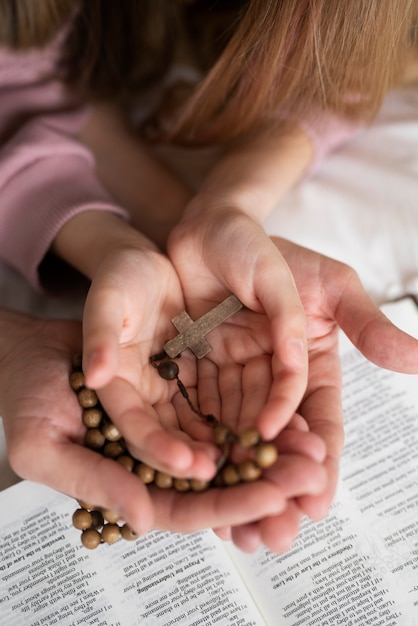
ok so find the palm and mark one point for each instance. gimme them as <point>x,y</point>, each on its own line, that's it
<point>124,324</point>
<point>241,361</point>
<point>253,349</point>
<point>333,298</point>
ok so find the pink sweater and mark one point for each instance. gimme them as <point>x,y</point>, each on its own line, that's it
<point>46,175</point>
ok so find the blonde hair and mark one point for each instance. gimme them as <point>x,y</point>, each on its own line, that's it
<point>110,47</point>
<point>298,56</point>
<point>266,56</point>
<point>27,24</point>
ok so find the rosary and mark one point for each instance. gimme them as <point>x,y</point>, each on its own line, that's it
<point>104,526</point>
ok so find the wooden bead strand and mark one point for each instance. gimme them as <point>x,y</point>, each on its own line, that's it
<point>99,526</point>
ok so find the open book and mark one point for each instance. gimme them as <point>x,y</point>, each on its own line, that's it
<point>358,566</point>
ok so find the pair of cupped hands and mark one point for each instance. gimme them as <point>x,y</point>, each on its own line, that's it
<point>273,365</point>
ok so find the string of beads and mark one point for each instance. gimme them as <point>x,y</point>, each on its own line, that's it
<point>103,526</point>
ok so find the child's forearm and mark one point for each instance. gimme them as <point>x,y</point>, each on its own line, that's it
<point>86,240</point>
<point>154,196</point>
<point>255,173</point>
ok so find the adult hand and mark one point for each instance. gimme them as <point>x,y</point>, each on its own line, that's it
<point>256,374</point>
<point>333,298</point>
<point>144,333</point>
<point>44,434</point>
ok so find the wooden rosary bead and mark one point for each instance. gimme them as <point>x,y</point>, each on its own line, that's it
<point>86,505</point>
<point>110,516</point>
<point>94,439</point>
<point>82,519</point>
<point>223,434</point>
<point>97,520</point>
<point>181,484</point>
<point>104,526</point>
<point>265,455</point>
<point>249,471</point>
<point>77,380</point>
<point>145,473</point>
<point>113,449</point>
<point>163,480</point>
<point>87,398</point>
<point>249,438</point>
<point>218,480</point>
<point>168,369</point>
<point>77,361</point>
<point>110,533</point>
<point>127,533</point>
<point>127,461</point>
<point>199,485</point>
<point>230,475</point>
<point>91,538</point>
<point>111,432</point>
<point>92,417</point>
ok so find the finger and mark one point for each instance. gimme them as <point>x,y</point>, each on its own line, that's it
<point>85,475</point>
<point>317,507</point>
<point>278,532</point>
<point>208,395</point>
<point>371,331</point>
<point>305,443</point>
<point>276,290</point>
<point>256,384</point>
<point>193,423</point>
<point>230,388</point>
<point>297,475</point>
<point>322,410</point>
<point>297,423</point>
<point>102,326</point>
<point>215,508</point>
<point>247,537</point>
<point>269,288</point>
<point>294,476</point>
<point>147,440</point>
<point>223,532</point>
<point>285,396</point>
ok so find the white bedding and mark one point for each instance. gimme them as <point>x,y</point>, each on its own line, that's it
<point>361,207</point>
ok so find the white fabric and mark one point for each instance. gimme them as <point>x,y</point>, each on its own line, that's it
<point>360,207</point>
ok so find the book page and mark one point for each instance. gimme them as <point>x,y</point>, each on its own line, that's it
<point>360,564</point>
<point>47,576</point>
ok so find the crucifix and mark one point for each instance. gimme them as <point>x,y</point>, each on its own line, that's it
<point>192,333</point>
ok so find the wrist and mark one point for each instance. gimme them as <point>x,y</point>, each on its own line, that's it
<point>88,238</point>
<point>255,173</point>
<point>243,200</point>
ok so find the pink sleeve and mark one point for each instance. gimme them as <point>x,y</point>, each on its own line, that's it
<point>46,175</point>
<point>46,179</point>
<point>327,132</point>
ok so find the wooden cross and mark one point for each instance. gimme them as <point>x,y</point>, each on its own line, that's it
<point>192,333</point>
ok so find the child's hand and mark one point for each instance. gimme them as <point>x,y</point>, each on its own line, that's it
<point>133,296</point>
<point>259,367</point>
